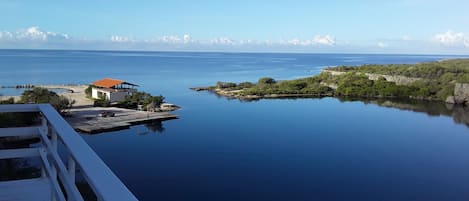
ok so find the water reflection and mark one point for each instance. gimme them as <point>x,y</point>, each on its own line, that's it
<point>150,128</point>
<point>155,127</point>
<point>460,114</point>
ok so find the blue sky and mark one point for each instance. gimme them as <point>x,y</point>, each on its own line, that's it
<point>362,26</point>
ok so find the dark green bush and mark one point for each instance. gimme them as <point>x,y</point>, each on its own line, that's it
<point>225,85</point>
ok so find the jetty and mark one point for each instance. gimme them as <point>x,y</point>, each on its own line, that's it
<point>91,121</point>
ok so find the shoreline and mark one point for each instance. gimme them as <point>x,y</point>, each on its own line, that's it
<point>233,95</point>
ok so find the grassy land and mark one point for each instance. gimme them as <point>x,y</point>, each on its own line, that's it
<point>437,80</point>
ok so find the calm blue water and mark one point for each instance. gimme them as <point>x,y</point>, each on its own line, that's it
<point>291,149</point>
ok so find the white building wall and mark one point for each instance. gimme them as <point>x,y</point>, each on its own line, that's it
<point>111,96</point>
<point>94,93</point>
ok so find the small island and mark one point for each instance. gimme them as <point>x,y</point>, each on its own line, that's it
<point>445,81</point>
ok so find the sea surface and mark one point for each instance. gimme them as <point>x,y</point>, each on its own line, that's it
<point>287,149</point>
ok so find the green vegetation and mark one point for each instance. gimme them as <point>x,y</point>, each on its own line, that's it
<point>102,102</point>
<point>41,95</point>
<point>37,95</point>
<point>88,91</point>
<point>456,69</point>
<point>435,81</point>
<point>358,85</point>
<point>268,86</point>
<point>148,101</point>
<point>437,78</point>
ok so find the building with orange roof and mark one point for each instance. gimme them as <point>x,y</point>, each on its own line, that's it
<point>112,89</point>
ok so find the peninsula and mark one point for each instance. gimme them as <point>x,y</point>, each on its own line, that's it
<point>88,114</point>
<point>445,81</point>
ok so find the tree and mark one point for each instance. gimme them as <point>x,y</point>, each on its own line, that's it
<point>89,90</point>
<point>37,95</point>
<point>224,85</point>
<point>245,85</point>
<point>42,95</point>
<point>266,81</point>
<point>61,103</point>
<point>142,98</point>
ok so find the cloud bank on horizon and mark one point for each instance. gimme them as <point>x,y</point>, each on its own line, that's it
<point>334,26</point>
<point>36,38</point>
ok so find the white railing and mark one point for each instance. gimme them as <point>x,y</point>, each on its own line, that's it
<point>53,130</point>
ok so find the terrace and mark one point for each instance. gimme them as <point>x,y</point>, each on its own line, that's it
<point>62,155</point>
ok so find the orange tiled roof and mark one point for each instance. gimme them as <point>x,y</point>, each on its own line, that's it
<point>107,82</point>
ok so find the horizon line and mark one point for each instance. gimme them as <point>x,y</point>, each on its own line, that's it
<point>234,52</point>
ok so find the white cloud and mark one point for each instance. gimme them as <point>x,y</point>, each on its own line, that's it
<point>382,45</point>
<point>173,39</point>
<point>186,38</point>
<point>247,42</point>
<point>406,38</point>
<point>317,40</point>
<point>35,37</point>
<point>222,41</point>
<point>120,39</point>
<point>296,41</point>
<point>451,38</point>
<point>5,35</point>
<point>170,39</point>
<point>324,40</point>
<point>34,33</point>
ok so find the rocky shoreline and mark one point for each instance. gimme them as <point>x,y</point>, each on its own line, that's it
<point>232,94</point>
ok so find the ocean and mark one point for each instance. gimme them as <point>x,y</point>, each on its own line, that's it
<point>285,149</point>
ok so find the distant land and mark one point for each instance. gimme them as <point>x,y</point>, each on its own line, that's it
<point>444,81</point>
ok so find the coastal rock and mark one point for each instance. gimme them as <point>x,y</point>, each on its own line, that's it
<point>398,79</point>
<point>450,100</point>
<point>200,88</point>
<point>334,73</point>
<point>461,93</point>
<point>330,85</point>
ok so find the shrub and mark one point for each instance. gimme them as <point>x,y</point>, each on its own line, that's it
<point>225,85</point>
<point>8,101</point>
<point>266,81</point>
<point>88,91</point>
<point>141,98</point>
<point>42,95</point>
<point>244,85</point>
<point>102,102</point>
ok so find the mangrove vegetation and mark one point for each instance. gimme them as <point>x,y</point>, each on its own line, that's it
<point>425,81</point>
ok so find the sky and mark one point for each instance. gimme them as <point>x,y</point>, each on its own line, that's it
<point>333,26</point>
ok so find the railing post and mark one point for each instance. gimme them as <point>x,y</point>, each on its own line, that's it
<point>71,168</point>
<point>54,140</point>
<point>44,126</point>
<point>54,149</point>
<point>43,172</point>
